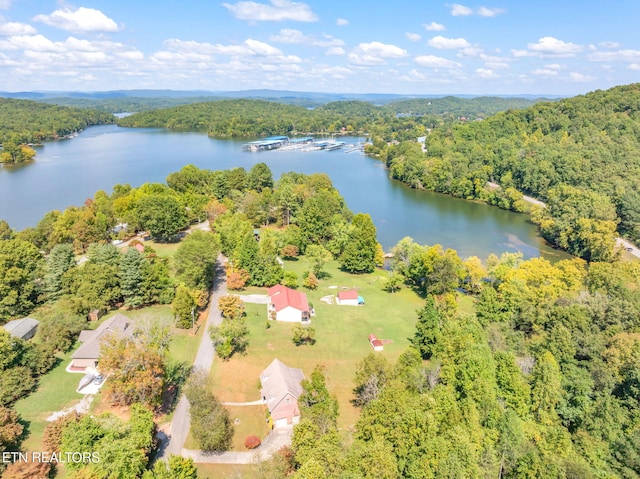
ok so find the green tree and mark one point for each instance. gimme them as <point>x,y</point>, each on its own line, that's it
<point>428,329</point>
<point>259,177</point>
<point>177,467</point>
<point>303,335</point>
<point>19,264</point>
<point>372,374</point>
<point>317,257</point>
<point>6,232</point>
<point>162,215</point>
<point>61,259</point>
<point>316,404</point>
<point>360,252</point>
<point>230,337</point>
<point>131,278</point>
<point>546,388</point>
<point>211,424</point>
<point>195,260</point>
<point>184,307</point>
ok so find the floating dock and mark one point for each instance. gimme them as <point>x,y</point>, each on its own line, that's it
<point>270,143</point>
<point>305,143</point>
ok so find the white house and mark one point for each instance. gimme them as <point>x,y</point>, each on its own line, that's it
<point>288,305</point>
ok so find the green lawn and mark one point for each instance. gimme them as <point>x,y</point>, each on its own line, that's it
<point>224,471</point>
<point>56,391</point>
<point>247,421</point>
<point>341,335</point>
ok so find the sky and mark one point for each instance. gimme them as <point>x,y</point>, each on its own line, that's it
<point>497,47</point>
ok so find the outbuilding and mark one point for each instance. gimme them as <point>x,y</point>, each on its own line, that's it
<point>24,328</point>
<point>348,298</point>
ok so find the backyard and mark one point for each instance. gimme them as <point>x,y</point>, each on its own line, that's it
<point>341,337</point>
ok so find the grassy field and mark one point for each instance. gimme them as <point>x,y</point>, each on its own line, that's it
<point>341,335</point>
<point>223,471</point>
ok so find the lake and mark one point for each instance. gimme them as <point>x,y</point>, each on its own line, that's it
<point>67,172</point>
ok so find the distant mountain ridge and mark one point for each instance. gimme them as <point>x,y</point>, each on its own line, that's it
<point>319,97</point>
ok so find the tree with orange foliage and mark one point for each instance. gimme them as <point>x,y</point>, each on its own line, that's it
<point>237,279</point>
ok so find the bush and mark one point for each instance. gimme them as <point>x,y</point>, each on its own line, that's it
<point>251,442</point>
<point>303,335</point>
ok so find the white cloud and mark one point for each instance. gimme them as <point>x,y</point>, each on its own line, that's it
<point>486,73</point>
<point>630,56</point>
<point>342,22</point>
<point>434,27</point>
<point>14,28</point>
<point>432,61</point>
<point>278,11</point>
<point>36,43</point>
<point>443,43</point>
<point>5,4</point>
<point>81,20</point>
<point>545,72</point>
<point>296,37</point>
<point>634,66</point>
<point>554,66</point>
<point>375,53</point>
<point>335,51</point>
<point>580,78</point>
<point>414,37</point>
<point>490,12</point>
<point>609,44</point>
<point>550,46</point>
<point>460,10</point>
<point>131,55</point>
<point>88,77</point>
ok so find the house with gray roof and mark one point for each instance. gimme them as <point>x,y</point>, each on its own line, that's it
<point>87,355</point>
<point>24,328</point>
<point>280,391</point>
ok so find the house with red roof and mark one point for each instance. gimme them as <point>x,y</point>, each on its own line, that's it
<point>280,388</point>
<point>347,298</point>
<point>289,305</point>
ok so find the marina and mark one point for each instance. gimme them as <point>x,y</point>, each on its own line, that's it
<point>306,143</point>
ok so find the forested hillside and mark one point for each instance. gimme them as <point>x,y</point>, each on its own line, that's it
<point>580,155</point>
<point>454,107</point>
<point>25,121</point>
<point>250,118</point>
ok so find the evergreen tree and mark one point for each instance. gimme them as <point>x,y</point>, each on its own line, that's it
<point>359,255</point>
<point>60,260</point>
<point>428,329</point>
<point>183,307</point>
<point>131,279</point>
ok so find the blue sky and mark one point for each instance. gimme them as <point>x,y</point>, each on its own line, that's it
<point>504,47</point>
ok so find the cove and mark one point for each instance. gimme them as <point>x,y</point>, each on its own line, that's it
<point>68,172</point>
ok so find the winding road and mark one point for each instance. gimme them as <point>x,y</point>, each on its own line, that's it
<point>621,243</point>
<point>204,359</point>
<point>181,420</point>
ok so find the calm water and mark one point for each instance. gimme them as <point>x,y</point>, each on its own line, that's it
<point>69,171</point>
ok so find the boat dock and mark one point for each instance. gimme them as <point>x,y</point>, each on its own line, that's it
<point>269,143</point>
<point>305,143</point>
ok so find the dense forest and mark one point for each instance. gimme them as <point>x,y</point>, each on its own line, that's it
<point>580,155</point>
<point>26,121</point>
<point>250,118</point>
